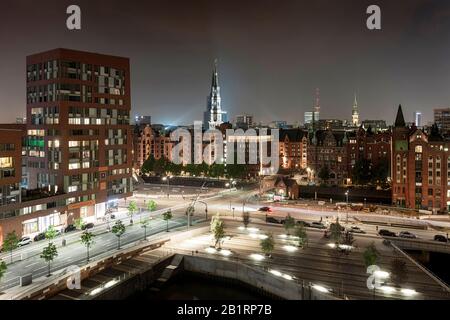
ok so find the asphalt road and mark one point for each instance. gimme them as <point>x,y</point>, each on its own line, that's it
<point>319,264</point>
<point>75,253</point>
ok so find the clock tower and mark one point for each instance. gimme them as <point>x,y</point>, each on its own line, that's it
<point>399,161</point>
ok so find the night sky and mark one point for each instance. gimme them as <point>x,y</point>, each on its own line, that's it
<point>272,54</point>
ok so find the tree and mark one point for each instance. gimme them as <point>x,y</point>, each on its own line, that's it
<point>51,233</point>
<point>11,243</point>
<point>370,255</point>
<point>49,253</point>
<point>174,169</point>
<point>380,173</point>
<point>236,171</point>
<point>193,169</point>
<point>78,223</point>
<point>362,172</point>
<point>118,229</point>
<point>267,245</point>
<point>289,223</point>
<point>87,238</point>
<point>166,217</point>
<point>324,174</point>
<point>161,166</point>
<point>399,271</point>
<point>216,170</point>
<point>336,232</point>
<point>302,237</point>
<point>246,218</point>
<point>132,209</point>
<point>3,268</point>
<point>348,240</point>
<point>144,224</point>
<point>204,168</point>
<point>218,230</point>
<point>148,165</point>
<point>151,206</point>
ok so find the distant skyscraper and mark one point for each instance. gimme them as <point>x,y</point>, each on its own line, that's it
<point>442,119</point>
<point>309,117</point>
<point>355,113</point>
<point>214,115</point>
<point>317,105</point>
<point>313,116</point>
<point>418,119</point>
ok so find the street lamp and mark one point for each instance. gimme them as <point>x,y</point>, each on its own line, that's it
<point>346,195</point>
<point>168,183</point>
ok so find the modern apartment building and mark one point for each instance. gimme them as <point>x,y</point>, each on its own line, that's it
<point>78,128</point>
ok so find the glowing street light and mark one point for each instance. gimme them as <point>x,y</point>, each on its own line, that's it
<point>257,256</point>
<point>290,248</point>
<point>321,288</point>
<point>387,289</point>
<point>380,274</point>
<point>408,292</point>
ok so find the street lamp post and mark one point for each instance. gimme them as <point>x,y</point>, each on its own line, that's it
<point>233,212</point>
<point>168,184</point>
<point>346,195</point>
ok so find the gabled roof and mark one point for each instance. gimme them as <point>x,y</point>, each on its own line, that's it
<point>294,135</point>
<point>400,119</point>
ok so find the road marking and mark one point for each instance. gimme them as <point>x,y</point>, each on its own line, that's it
<point>31,264</point>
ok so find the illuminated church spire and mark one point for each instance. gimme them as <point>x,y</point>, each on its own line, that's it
<point>214,116</point>
<point>355,113</point>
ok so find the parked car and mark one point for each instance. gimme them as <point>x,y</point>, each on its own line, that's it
<point>70,228</point>
<point>86,226</point>
<point>24,241</point>
<point>304,223</point>
<point>355,229</point>
<point>273,220</point>
<point>440,238</point>
<point>39,237</point>
<point>317,225</point>
<point>265,209</point>
<point>407,234</point>
<point>386,233</point>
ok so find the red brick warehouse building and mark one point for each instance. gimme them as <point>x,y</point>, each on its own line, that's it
<point>420,167</point>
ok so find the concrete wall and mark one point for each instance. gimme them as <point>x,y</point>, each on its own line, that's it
<point>258,278</point>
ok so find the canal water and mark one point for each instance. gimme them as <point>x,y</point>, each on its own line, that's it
<point>189,286</point>
<point>437,263</point>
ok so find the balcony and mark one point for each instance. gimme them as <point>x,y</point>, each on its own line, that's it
<point>30,195</point>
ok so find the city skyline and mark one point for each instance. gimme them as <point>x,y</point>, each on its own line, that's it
<point>404,63</point>
<point>297,150</point>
